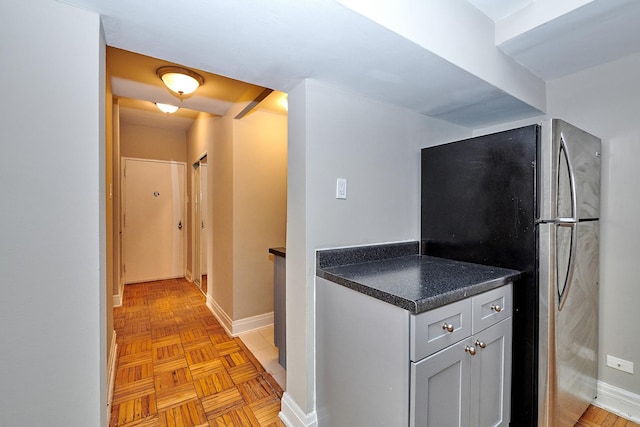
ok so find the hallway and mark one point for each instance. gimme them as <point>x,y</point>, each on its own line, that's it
<point>177,366</point>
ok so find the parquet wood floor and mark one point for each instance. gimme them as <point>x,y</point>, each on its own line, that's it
<point>597,417</point>
<point>177,367</point>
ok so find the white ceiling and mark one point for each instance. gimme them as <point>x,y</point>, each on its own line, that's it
<point>277,44</point>
<point>498,10</point>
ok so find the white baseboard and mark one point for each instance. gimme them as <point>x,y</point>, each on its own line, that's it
<point>220,314</point>
<point>293,416</point>
<point>619,401</point>
<point>117,300</point>
<point>111,372</point>
<point>250,323</point>
<point>237,327</point>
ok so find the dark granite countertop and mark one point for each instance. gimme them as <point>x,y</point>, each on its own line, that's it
<point>397,274</point>
<point>278,252</point>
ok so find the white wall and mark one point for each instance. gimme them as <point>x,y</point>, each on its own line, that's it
<point>605,101</point>
<point>376,147</point>
<point>52,309</point>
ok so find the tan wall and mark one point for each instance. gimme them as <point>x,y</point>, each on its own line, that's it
<point>260,208</point>
<point>118,285</point>
<point>153,143</point>
<point>109,214</point>
<point>247,164</point>
<point>220,189</point>
<point>198,137</point>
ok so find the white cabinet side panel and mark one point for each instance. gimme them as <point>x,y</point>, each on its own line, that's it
<point>362,359</point>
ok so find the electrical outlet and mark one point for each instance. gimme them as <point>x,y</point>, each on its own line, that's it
<point>621,364</point>
<point>341,188</point>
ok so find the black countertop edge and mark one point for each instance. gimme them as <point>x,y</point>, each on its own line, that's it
<point>396,300</point>
<point>278,251</point>
<point>414,282</point>
<point>327,258</point>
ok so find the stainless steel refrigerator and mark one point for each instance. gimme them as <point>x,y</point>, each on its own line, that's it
<point>528,199</point>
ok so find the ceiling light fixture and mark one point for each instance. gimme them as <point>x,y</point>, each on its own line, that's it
<point>180,80</point>
<point>167,108</point>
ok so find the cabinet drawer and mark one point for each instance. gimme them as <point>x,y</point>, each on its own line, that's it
<point>438,328</point>
<point>491,307</point>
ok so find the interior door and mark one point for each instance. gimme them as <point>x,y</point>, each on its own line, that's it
<point>153,220</point>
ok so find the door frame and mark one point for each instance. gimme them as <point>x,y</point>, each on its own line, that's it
<point>196,217</point>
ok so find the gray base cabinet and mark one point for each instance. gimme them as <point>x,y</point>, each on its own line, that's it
<point>379,365</point>
<point>467,383</point>
<point>458,389</point>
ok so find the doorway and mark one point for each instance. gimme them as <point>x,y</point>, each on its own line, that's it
<point>152,220</point>
<point>200,221</point>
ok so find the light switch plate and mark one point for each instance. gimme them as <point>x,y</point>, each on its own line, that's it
<point>341,188</point>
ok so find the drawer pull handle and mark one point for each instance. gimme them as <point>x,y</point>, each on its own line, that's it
<point>470,350</point>
<point>481,344</point>
<point>448,327</point>
<point>496,308</point>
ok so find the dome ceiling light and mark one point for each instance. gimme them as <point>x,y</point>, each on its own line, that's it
<point>180,80</point>
<point>166,108</point>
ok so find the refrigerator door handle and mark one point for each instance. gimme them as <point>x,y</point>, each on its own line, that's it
<point>564,148</point>
<point>563,293</point>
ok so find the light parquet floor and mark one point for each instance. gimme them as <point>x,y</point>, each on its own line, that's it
<point>597,417</point>
<point>177,366</point>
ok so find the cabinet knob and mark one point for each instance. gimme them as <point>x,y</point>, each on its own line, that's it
<point>470,350</point>
<point>481,344</point>
<point>496,308</point>
<point>448,327</point>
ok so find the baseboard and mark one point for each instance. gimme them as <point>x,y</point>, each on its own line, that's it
<point>250,323</point>
<point>117,300</point>
<point>237,327</point>
<point>293,416</point>
<point>220,314</point>
<point>111,372</point>
<point>619,401</point>
<point>188,275</point>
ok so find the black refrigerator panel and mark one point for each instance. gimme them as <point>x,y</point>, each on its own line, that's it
<point>478,199</point>
<point>479,205</point>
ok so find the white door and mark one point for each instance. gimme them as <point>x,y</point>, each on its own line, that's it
<point>153,220</point>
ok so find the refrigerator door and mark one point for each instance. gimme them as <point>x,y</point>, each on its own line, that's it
<point>569,179</point>
<point>569,337</point>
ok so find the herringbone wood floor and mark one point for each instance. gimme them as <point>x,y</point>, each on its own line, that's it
<point>177,367</point>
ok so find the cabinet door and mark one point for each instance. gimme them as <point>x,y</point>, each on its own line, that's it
<point>440,389</point>
<point>491,376</point>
